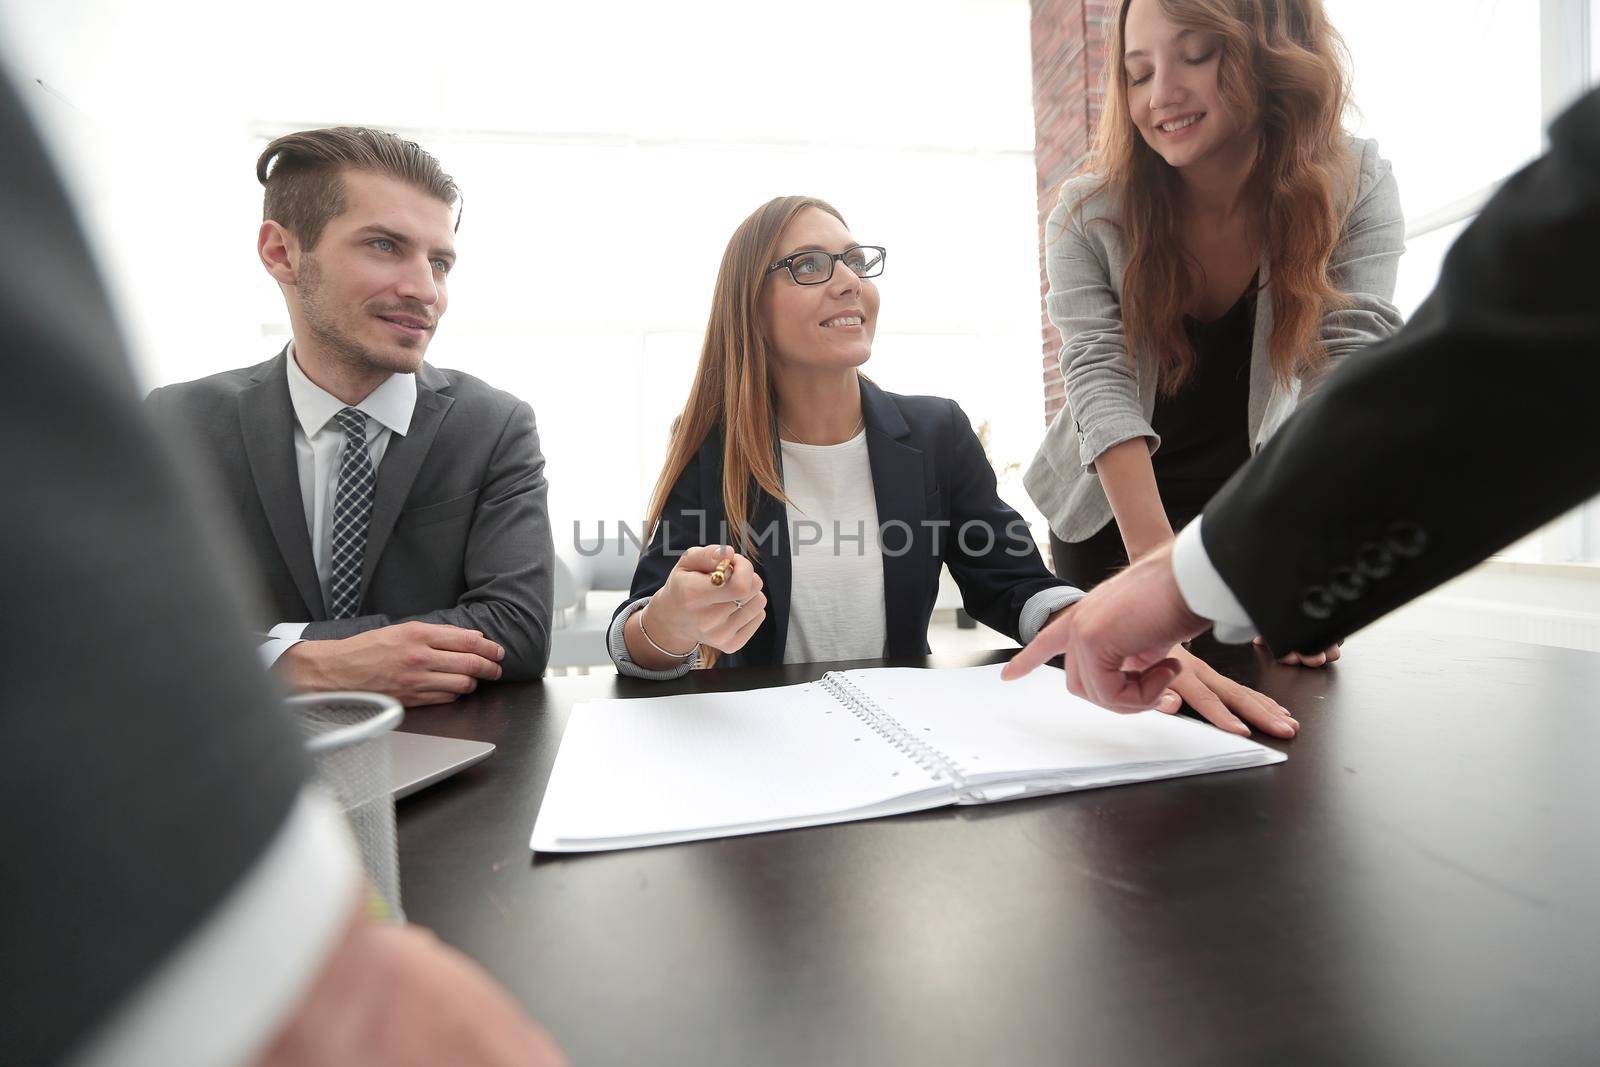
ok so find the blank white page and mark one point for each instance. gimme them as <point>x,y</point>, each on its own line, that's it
<point>1034,725</point>
<point>710,764</point>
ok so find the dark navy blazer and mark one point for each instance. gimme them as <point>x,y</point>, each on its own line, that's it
<point>928,468</point>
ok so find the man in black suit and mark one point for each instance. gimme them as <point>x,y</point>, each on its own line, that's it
<point>395,512</point>
<point>173,892</point>
<point>1468,429</point>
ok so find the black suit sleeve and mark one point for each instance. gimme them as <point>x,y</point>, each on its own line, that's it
<point>1467,430</point>
<point>991,554</point>
<point>145,765</point>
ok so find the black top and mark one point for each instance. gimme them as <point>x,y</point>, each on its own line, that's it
<point>1203,427</point>
<point>1407,467</point>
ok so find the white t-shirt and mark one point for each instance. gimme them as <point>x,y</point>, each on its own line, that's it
<point>836,590</point>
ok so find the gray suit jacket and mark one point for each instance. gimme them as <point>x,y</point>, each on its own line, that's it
<point>147,768</point>
<point>1110,397</point>
<point>460,533</point>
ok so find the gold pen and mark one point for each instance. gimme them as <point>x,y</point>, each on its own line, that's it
<point>719,574</point>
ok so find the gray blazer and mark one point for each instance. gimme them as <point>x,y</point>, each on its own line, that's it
<point>460,532</point>
<point>147,768</point>
<point>1110,398</point>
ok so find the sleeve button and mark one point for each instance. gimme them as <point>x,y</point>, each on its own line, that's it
<point>1374,561</point>
<point>1318,603</point>
<point>1346,583</point>
<point>1407,539</point>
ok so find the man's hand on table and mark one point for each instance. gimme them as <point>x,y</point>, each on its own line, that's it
<point>417,663</point>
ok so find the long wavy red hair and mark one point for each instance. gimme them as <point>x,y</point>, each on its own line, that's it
<point>1282,69</point>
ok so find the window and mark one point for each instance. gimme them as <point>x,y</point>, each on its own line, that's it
<point>582,134</point>
<point>1594,43</point>
<point>575,165</point>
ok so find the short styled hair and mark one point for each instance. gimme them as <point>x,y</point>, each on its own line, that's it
<point>302,173</point>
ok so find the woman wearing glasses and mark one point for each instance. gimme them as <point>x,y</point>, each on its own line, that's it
<point>839,500</point>
<point>1228,245</point>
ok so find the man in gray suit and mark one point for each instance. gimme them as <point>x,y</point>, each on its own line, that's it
<point>395,511</point>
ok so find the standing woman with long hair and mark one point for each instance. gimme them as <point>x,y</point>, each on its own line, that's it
<point>1228,244</point>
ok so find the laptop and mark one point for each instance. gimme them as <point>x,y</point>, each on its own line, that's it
<point>416,761</point>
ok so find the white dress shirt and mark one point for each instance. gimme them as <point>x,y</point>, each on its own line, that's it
<point>1204,590</point>
<point>318,451</point>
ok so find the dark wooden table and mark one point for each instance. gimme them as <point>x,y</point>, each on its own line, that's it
<point>1418,884</point>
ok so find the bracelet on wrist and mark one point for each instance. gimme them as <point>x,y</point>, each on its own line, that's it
<point>651,641</point>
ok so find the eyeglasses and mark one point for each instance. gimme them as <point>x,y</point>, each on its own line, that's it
<point>814,268</point>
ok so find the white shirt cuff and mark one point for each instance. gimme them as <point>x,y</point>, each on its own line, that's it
<point>1204,590</point>
<point>280,639</point>
<point>1040,606</point>
<point>224,994</point>
<point>617,644</point>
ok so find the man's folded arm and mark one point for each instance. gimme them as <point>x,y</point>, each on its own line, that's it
<point>508,564</point>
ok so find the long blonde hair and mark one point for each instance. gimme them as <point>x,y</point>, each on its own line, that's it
<point>733,384</point>
<point>1282,69</point>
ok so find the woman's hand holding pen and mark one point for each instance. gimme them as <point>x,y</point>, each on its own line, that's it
<point>693,608</point>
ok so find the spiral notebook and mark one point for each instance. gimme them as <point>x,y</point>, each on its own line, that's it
<point>854,745</point>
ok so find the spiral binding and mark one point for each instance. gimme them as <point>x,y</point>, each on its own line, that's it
<point>938,765</point>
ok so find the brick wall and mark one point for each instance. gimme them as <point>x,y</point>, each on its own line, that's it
<point>1068,60</point>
